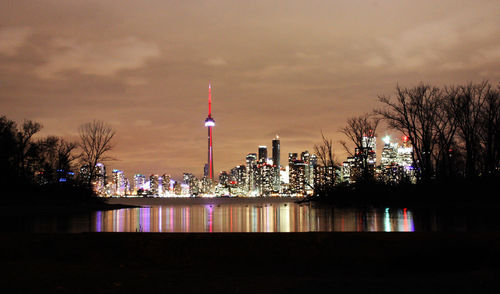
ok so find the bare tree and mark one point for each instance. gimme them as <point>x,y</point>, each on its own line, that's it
<point>445,127</point>
<point>95,141</point>
<point>414,112</point>
<point>490,131</point>
<point>65,155</point>
<point>325,172</point>
<point>8,150</point>
<point>324,151</point>
<point>467,108</point>
<point>361,131</point>
<point>24,141</point>
<point>53,155</point>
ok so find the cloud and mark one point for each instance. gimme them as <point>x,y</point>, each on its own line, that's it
<point>307,56</point>
<point>105,58</point>
<point>216,62</point>
<point>142,123</point>
<point>490,54</point>
<point>375,61</point>
<point>454,41</point>
<point>11,39</point>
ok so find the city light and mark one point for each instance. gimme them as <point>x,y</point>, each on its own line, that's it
<point>209,123</point>
<point>264,175</point>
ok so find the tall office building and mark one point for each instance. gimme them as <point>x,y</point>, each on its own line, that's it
<point>389,153</point>
<point>239,176</point>
<point>404,155</point>
<point>251,160</point>
<point>277,164</point>
<point>166,184</point>
<point>265,172</point>
<point>127,187</point>
<point>210,123</point>
<point>224,178</point>
<point>325,175</point>
<point>119,183</point>
<point>404,158</point>
<point>389,171</point>
<point>369,149</point>
<point>154,184</point>
<point>177,187</point>
<point>99,181</point>
<point>187,178</point>
<point>262,154</point>
<point>139,182</point>
<point>297,177</point>
<point>191,182</point>
<point>84,173</point>
<point>310,162</point>
<point>363,163</point>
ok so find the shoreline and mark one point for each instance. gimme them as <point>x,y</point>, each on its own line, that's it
<point>55,209</point>
<point>145,201</point>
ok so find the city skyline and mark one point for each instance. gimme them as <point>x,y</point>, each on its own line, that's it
<point>294,69</point>
<point>264,175</point>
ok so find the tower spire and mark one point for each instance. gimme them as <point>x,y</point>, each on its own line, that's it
<point>209,100</point>
<point>210,123</point>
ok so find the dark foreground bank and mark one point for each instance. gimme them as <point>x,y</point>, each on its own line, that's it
<point>246,263</point>
<point>475,192</point>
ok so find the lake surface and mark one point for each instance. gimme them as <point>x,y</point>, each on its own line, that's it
<point>286,217</point>
<point>249,215</point>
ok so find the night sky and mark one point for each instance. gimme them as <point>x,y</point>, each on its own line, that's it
<point>291,68</point>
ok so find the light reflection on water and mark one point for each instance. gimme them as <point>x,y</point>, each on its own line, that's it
<point>277,217</point>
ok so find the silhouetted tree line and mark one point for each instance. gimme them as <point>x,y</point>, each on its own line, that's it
<point>454,131</point>
<point>48,167</point>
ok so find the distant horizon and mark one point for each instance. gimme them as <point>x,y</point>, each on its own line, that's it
<point>109,163</point>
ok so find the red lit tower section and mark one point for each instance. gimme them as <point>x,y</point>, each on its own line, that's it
<point>210,123</point>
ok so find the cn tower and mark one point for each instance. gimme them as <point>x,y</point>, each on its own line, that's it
<point>210,123</point>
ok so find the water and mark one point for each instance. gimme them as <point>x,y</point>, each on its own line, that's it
<point>286,217</point>
<point>226,215</point>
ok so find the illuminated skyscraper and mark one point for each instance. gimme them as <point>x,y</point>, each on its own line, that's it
<point>297,177</point>
<point>361,166</point>
<point>239,177</point>
<point>251,160</point>
<point>165,184</point>
<point>389,153</point>
<point>191,182</point>
<point>276,162</point>
<point>309,161</point>
<point>210,123</point>
<point>99,181</point>
<point>119,183</point>
<point>224,178</point>
<point>291,158</point>
<point>389,170</point>
<point>139,183</point>
<point>154,183</point>
<point>265,179</point>
<point>404,154</point>
<point>404,159</point>
<point>369,149</point>
<point>262,154</point>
